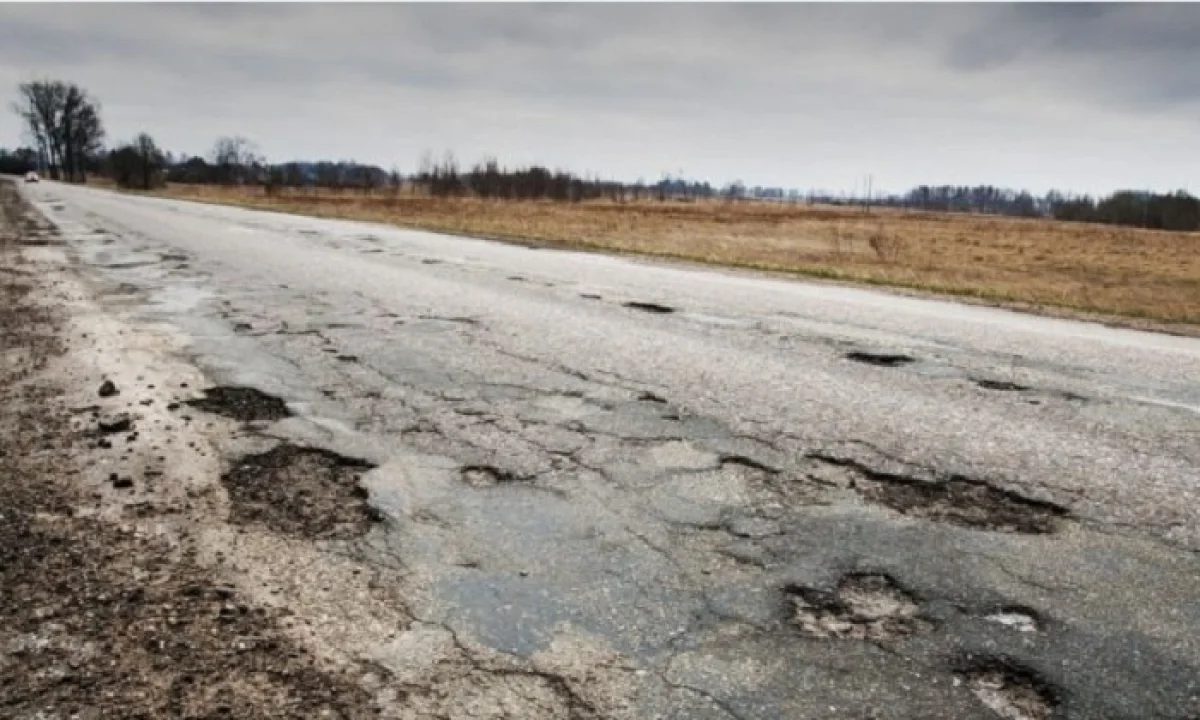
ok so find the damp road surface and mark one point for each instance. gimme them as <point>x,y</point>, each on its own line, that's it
<point>656,491</point>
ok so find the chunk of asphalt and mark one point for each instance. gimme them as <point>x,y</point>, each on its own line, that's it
<point>115,424</point>
<point>108,388</point>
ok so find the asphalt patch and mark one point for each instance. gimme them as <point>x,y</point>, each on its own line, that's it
<point>650,307</point>
<point>880,359</point>
<point>303,492</point>
<point>241,403</point>
<point>957,500</point>
<point>863,606</point>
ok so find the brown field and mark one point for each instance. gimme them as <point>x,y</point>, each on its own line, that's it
<point>1135,277</point>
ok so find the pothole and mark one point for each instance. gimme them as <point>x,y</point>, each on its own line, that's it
<point>649,307</point>
<point>450,319</point>
<point>749,463</point>
<point>958,500</point>
<point>488,476</point>
<point>241,403</point>
<point>880,359</point>
<point>1001,385</point>
<point>1011,693</point>
<point>306,492</point>
<point>1015,618</point>
<point>865,606</point>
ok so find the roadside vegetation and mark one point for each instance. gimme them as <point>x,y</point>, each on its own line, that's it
<point>1131,256</point>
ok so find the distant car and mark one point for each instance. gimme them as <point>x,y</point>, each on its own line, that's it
<point>31,177</point>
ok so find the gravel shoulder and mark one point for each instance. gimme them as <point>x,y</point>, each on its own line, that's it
<point>109,608</point>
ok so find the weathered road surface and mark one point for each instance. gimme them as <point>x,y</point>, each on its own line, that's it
<point>608,488</point>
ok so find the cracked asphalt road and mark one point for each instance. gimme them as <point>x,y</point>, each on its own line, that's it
<point>645,490</point>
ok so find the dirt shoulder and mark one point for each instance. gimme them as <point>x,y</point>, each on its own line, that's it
<point>109,607</point>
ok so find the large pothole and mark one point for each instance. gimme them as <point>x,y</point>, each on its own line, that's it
<point>306,492</point>
<point>1012,694</point>
<point>241,403</point>
<point>957,500</point>
<point>864,606</point>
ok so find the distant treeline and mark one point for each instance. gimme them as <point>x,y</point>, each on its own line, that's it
<point>235,161</point>
<point>489,180</point>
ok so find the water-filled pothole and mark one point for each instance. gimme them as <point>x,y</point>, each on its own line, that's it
<point>307,492</point>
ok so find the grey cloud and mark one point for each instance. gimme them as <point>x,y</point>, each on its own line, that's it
<point>685,74</point>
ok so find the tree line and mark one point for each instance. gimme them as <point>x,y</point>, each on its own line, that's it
<point>67,136</point>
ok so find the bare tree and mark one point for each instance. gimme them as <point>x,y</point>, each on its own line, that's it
<point>64,123</point>
<point>236,158</point>
<point>139,164</point>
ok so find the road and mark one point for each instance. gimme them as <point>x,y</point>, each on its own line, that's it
<point>645,490</point>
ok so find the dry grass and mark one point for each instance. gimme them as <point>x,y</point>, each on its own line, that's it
<point>1034,264</point>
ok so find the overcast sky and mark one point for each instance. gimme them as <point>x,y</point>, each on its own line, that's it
<point>1084,97</point>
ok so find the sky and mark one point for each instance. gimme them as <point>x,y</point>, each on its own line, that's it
<point>1080,97</point>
